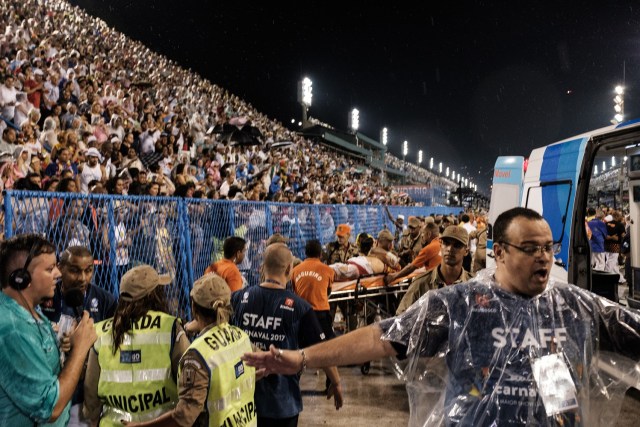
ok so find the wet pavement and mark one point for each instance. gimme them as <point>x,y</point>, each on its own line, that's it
<point>379,399</point>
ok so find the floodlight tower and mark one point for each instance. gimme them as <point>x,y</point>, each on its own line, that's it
<point>618,105</point>
<point>305,94</point>
<point>384,136</point>
<point>405,151</point>
<point>419,157</point>
<point>354,120</point>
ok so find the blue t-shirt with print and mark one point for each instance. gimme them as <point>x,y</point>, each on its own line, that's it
<point>278,317</point>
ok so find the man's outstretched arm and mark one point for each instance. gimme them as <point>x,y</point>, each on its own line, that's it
<point>359,346</point>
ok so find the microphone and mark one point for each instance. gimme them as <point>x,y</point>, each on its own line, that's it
<point>74,298</point>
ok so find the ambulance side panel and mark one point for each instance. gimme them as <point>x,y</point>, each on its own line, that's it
<point>550,186</point>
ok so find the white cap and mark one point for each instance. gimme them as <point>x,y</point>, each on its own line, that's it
<point>93,152</point>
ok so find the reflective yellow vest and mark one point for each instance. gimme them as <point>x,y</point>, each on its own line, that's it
<point>136,382</point>
<point>231,382</point>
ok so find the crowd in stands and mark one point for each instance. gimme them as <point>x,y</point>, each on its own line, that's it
<point>79,100</point>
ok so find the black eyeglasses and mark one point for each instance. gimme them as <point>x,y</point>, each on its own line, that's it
<point>534,250</point>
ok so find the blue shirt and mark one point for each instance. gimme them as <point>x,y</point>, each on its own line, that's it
<point>278,317</point>
<point>598,235</point>
<point>30,361</point>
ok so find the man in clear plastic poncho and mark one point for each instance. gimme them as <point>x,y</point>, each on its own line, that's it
<point>519,348</point>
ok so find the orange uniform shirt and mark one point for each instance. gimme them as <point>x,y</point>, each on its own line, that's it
<point>311,280</point>
<point>429,256</point>
<point>228,270</point>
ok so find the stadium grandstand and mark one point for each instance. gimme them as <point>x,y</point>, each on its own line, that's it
<point>90,119</point>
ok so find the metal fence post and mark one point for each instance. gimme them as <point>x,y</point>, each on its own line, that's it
<point>113,269</point>
<point>268,220</point>
<point>184,225</point>
<point>8,215</point>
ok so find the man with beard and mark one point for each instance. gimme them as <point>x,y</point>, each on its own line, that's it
<point>92,170</point>
<point>76,268</point>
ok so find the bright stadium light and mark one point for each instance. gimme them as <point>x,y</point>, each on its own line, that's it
<point>453,175</point>
<point>447,172</point>
<point>354,119</point>
<point>618,105</point>
<point>420,157</point>
<point>440,167</point>
<point>305,95</point>
<point>305,92</point>
<point>613,162</point>
<point>595,170</point>
<point>384,136</point>
<point>431,163</point>
<point>405,148</point>
<point>604,166</point>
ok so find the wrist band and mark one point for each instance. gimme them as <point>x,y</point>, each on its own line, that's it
<point>304,361</point>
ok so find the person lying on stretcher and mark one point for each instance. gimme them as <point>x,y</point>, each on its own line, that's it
<point>378,260</point>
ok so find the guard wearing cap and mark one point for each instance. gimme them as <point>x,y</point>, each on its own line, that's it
<point>411,242</point>
<point>454,243</point>
<point>215,387</point>
<point>341,249</point>
<point>132,370</point>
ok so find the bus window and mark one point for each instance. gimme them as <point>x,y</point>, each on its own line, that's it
<point>554,197</point>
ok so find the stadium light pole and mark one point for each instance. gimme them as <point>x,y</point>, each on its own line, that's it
<point>354,120</point>
<point>440,167</point>
<point>618,105</point>
<point>405,151</point>
<point>419,157</point>
<point>384,136</point>
<point>431,163</point>
<point>305,95</point>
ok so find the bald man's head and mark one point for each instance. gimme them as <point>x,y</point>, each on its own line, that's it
<point>277,259</point>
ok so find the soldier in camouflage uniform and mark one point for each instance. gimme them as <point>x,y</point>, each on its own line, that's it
<point>411,242</point>
<point>341,249</point>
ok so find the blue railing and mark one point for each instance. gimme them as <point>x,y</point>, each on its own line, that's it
<point>181,237</point>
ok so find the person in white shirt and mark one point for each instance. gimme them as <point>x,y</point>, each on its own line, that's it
<point>8,98</point>
<point>229,180</point>
<point>90,170</point>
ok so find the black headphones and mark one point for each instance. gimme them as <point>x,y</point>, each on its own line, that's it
<point>20,279</point>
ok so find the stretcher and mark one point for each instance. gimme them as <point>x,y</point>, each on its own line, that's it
<point>368,291</point>
<point>369,286</point>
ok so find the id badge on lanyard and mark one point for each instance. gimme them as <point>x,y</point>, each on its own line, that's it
<point>555,385</point>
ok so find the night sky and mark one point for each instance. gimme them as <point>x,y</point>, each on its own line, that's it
<point>463,81</point>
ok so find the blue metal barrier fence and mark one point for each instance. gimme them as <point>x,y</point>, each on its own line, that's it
<point>181,237</point>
